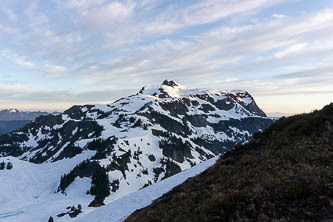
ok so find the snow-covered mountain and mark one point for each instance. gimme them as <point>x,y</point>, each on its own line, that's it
<point>136,141</point>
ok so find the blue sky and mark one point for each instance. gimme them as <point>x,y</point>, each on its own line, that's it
<point>57,53</point>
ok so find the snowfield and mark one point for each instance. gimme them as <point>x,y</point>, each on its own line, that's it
<point>27,193</point>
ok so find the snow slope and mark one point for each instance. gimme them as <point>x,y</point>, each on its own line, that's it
<point>29,195</point>
<point>120,209</point>
<point>27,191</point>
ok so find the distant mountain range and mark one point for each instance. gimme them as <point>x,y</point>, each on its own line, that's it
<point>15,114</point>
<point>94,154</point>
<point>11,119</point>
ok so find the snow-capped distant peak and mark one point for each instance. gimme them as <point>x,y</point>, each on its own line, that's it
<point>13,110</point>
<point>15,114</point>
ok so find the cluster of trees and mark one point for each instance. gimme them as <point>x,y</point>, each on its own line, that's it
<point>100,184</point>
<point>102,147</point>
<point>69,151</point>
<point>132,120</point>
<point>67,179</point>
<point>175,148</point>
<point>73,212</point>
<point>120,162</point>
<point>7,166</point>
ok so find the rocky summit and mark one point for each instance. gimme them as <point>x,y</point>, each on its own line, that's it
<point>137,140</point>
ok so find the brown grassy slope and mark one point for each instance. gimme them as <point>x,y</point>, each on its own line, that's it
<point>282,174</point>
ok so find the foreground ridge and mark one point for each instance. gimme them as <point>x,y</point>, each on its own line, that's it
<point>284,173</point>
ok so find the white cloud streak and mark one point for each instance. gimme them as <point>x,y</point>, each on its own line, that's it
<point>54,70</point>
<point>138,42</point>
<point>19,60</point>
<point>9,30</point>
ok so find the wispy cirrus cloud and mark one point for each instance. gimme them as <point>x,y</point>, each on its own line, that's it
<point>8,29</point>
<point>269,47</point>
<point>54,70</point>
<point>19,60</point>
<point>223,49</point>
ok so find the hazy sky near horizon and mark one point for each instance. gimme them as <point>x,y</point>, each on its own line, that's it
<point>57,53</point>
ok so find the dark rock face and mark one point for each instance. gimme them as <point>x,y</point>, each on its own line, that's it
<point>167,123</point>
<point>225,104</point>
<point>175,108</point>
<point>197,120</point>
<point>169,83</point>
<point>207,108</point>
<point>206,97</point>
<point>252,107</point>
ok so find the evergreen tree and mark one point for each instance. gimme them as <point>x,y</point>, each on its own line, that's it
<point>9,166</point>
<point>100,185</point>
<point>2,165</point>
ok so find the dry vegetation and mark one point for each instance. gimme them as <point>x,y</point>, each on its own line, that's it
<point>283,174</point>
